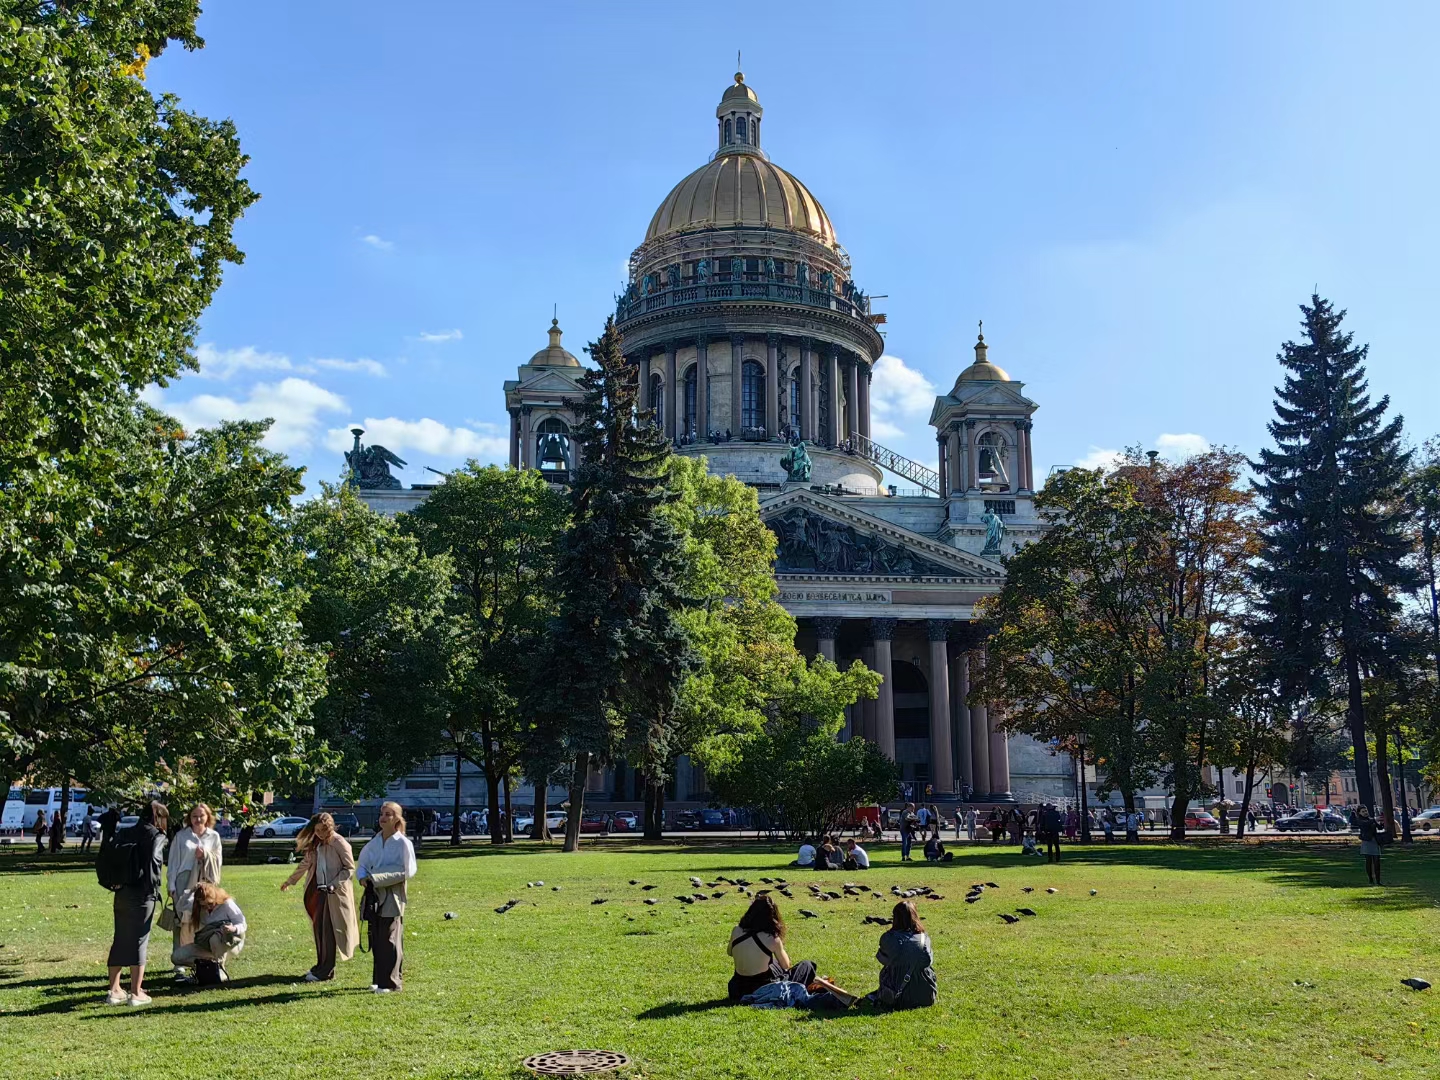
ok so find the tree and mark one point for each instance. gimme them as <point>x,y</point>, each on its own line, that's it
<point>151,635</point>
<point>1422,493</point>
<point>375,603</point>
<point>1333,556</point>
<point>1251,735</point>
<point>791,771</point>
<point>499,530</point>
<point>618,650</point>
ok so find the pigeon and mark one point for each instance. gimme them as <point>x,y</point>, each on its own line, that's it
<point>1415,984</point>
<point>971,899</point>
<point>651,901</point>
<point>808,913</point>
<point>647,888</point>
<point>767,881</point>
<point>697,882</point>
<point>1093,891</point>
<point>700,896</point>
<point>451,915</point>
<point>506,906</point>
<point>717,894</point>
<point>719,879</point>
<point>1028,888</point>
<point>1052,891</point>
<point>832,894</point>
<point>787,894</point>
<point>634,882</point>
<point>1024,911</point>
<point>598,900</point>
<point>685,899</point>
<point>1008,918</point>
<point>878,920</point>
<point>761,892</point>
<point>991,885</point>
<point>934,896</point>
<point>554,888</point>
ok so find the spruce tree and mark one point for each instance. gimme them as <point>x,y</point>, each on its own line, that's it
<point>619,654</point>
<point>1333,553</point>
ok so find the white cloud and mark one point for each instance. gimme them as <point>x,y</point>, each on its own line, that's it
<point>369,367</point>
<point>440,336</point>
<point>376,242</point>
<point>1179,447</point>
<point>223,363</point>
<point>898,394</point>
<point>295,406</point>
<point>426,435</point>
<point>1100,458</point>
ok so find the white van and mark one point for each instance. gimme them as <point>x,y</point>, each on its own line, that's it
<point>24,805</point>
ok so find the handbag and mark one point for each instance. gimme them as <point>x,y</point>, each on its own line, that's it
<point>167,920</point>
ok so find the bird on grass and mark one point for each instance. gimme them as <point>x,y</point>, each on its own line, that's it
<point>1052,891</point>
<point>1007,918</point>
<point>1024,911</point>
<point>808,913</point>
<point>647,888</point>
<point>972,899</point>
<point>599,900</point>
<point>1028,888</point>
<point>651,901</point>
<point>634,882</point>
<point>506,906</point>
<point>1415,984</point>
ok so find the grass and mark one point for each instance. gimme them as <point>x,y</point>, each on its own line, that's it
<point>1264,960</point>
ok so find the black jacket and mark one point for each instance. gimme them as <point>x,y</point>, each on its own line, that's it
<point>152,870</point>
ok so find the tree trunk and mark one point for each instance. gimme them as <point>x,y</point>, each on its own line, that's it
<point>1382,775</point>
<point>577,801</point>
<point>1245,799</point>
<point>242,842</point>
<point>455,810</point>
<point>1178,807</point>
<point>509,818</point>
<point>540,828</point>
<point>64,813</point>
<point>654,811</point>
<point>1355,718</point>
<point>492,803</point>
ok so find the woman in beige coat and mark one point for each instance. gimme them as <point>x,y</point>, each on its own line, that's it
<point>328,867</point>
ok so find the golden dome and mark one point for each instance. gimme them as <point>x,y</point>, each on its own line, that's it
<point>553,355</point>
<point>738,92</point>
<point>982,370</point>
<point>741,189</point>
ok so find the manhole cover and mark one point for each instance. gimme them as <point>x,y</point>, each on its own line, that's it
<point>575,1062</point>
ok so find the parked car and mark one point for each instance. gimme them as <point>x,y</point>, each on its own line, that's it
<point>520,823</point>
<point>687,819</point>
<point>1201,819</point>
<point>592,821</point>
<point>1312,821</point>
<point>1427,819</point>
<point>346,824</point>
<point>556,820</point>
<point>285,826</point>
<point>128,820</point>
<point>625,821</point>
<point>716,819</point>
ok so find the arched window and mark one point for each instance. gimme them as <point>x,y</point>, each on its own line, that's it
<point>657,400</point>
<point>552,445</point>
<point>993,461</point>
<point>752,395</point>
<point>795,411</point>
<point>690,428</point>
<point>740,129</point>
<point>727,133</point>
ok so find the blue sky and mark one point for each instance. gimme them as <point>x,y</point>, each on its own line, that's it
<point>1134,197</point>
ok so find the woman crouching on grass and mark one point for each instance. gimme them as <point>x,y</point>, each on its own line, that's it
<point>219,934</point>
<point>386,863</point>
<point>758,948</point>
<point>327,868</point>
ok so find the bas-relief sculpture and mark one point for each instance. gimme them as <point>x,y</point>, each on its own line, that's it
<point>810,542</point>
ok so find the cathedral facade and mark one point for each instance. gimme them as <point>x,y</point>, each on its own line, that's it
<point>755,348</point>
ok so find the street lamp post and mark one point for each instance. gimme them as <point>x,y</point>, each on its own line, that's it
<point>1405,836</point>
<point>1081,741</point>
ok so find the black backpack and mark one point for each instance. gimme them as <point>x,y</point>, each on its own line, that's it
<point>118,863</point>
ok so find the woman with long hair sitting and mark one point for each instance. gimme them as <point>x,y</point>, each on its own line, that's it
<point>386,864</point>
<point>327,868</point>
<point>907,973</point>
<point>757,946</point>
<point>219,934</point>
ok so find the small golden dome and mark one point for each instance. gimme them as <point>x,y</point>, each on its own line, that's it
<point>553,355</point>
<point>741,189</point>
<point>982,370</point>
<point>739,91</point>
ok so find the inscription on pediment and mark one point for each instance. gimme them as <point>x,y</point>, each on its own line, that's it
<point>809,542</point>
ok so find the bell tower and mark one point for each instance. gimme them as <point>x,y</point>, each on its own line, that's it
<point>982,430</point>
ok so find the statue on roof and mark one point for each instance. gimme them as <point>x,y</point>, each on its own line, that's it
<point>796,463</point>
<point>370,465</point>
<point>994,532</point>
<point>702,271</point>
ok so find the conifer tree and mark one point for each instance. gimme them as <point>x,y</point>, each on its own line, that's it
<point>1333,553</point>
<point>619,653</point>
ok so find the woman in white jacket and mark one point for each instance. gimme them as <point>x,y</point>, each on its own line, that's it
<point>195,856</point>
<point>386,864</point>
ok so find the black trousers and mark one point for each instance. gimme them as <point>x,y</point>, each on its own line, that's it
<point>387,951</point>
<point>1052,848</point>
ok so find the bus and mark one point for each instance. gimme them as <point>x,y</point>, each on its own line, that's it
<point>23,805</point>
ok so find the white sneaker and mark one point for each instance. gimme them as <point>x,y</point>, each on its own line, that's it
<point>374,987</point>
<point>121,998</point>
<point>141,998</point>
<point>310,976</point>
<point>383,990</point>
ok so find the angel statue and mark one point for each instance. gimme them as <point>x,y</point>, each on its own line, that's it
<point>796,463</point>
<point>370,465</point>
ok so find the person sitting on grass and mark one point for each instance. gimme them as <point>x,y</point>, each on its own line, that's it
<point>907,972</point>
<point>856,857</point>
<point>757,946</point>
<point>219,935</point>
<point>934,849</point>
<point>806,858</point>
<point>829,856</point>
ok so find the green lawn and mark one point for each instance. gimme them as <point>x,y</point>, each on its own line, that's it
<point>1265,960</point>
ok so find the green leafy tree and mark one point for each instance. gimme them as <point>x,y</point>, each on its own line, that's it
<point>619,652</point>
<point>1252,733</point>
<point>499,530</point>
<point>375,604</point>
<point>1333,562</point>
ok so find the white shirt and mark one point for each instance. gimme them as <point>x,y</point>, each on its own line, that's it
<point>862,859</point>
<point>381,856</point>
<point>184,852</point>
<point>807,855</point>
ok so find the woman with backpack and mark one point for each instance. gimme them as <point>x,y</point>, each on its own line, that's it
<point>327,868</point>
<point>386,864</point>
<point>141,850</point>
<point>907,973</point>
<point>195,857</point>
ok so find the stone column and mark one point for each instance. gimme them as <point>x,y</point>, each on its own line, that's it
<point>979,733</point>
<point>944,470</point>
<point>772,386</point>
<point>942,764</point>
<point>832,368</point>
<point>527,442</point>
<point>737,359</point>
<point>807,393</point>
<point>962,719</point>
<point>882,631</point>
<point>864,399</point>
<point>972,457</point>
<point>644,366</point>
<point>1028,456</point>
<point>825,631</point>
<point>514,439</point>
<point>999,756</point>
<point>868,705</point>
<point>702,388</point>
<point>956,459</point>
<point>672,424</point>
<point>852,399</point>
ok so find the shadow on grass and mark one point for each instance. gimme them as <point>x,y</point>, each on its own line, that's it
<point>669,1009</point>
<point>171,999</point>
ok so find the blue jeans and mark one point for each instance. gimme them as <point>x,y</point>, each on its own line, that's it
<point>906,839</point>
